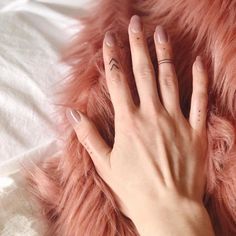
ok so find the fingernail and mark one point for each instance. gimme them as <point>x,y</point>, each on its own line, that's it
<point>135,24</point>
<point>161,34</point>
<point>199,63</point>
<point>109,39</point>
<point>73,115</point>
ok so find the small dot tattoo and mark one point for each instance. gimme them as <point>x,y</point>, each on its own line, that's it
<point>88,149</point>
<point>198,115</point>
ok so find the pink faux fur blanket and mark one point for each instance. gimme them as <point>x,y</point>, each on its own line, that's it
<point>74,199</point>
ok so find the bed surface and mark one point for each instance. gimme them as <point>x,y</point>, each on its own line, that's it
<point>32,34</point>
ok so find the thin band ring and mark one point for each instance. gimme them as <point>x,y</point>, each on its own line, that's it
<point>166,61</point>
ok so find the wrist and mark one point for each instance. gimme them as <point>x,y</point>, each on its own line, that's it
<point>176,217</point>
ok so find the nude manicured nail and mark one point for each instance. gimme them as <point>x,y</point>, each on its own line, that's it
<point>135,24</point>
<point>161,34</point>
<point>199,63</point>
<point>73,115</point>
<point>109,39</point>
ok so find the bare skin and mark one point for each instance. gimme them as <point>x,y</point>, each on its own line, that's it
<point>157,166</point>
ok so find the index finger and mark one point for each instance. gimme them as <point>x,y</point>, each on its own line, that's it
<point>115,76</point>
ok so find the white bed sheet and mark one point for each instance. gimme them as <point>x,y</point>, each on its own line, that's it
<point>31,36</point>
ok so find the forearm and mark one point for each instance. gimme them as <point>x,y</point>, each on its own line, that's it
<point>175,219</point>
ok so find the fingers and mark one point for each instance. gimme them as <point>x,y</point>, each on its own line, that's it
<point>90,138</point>
<point>115,76</point>
<point>199,100</point>
<point>142,65</point>
<point>168,82</point>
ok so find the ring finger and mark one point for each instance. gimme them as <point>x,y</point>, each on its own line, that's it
<point>167,78</point>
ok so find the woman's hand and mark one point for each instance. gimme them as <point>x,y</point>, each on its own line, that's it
<point>156,167</point>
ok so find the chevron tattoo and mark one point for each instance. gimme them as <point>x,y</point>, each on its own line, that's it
<point>114,64</point>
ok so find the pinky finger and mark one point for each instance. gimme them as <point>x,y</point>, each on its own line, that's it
<point>199,100</point>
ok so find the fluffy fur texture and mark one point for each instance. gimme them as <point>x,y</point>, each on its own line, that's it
<point>74,199</point>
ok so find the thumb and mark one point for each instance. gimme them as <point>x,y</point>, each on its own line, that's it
<point>90,138</point>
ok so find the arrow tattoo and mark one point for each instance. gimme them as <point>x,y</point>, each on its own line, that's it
<point>114,64</point>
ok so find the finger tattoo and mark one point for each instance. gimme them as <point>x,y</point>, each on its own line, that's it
<point>198,115</point>
<point>114,64</point>
<point>165,61</point>
<point>87,148</point>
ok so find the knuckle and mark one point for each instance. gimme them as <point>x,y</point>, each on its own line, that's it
<point>133,118</point>
<point>116,77</point>
<point>200,81</point>
<point>152,109</point>
<point>84,133</point>
<point>144,71</point>
<point>128,125</point>
<point>163,121</point>
<point>168,80</point>
<point>201,96</point>
<point>203,103</point>
<point>135,126</point>
<point>155,114</point>
<point>125,114</point>
<point>202,93</point>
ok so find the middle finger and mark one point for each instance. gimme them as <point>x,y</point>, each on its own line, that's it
<point>142,66</point>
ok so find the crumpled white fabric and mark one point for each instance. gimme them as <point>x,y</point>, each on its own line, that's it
<point>17,215</point>
<point>32,34</point>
